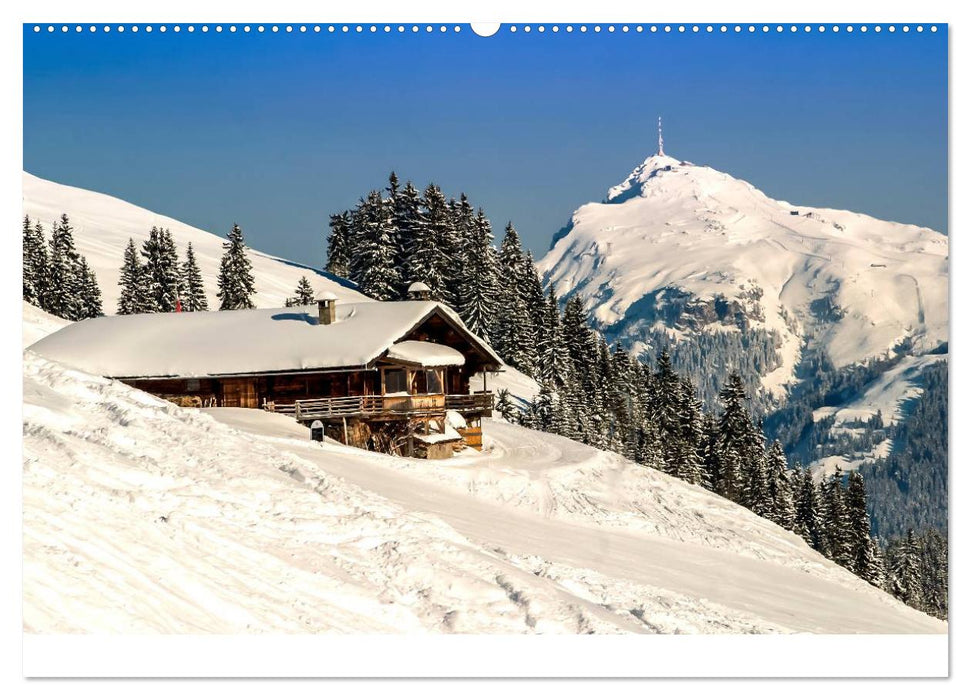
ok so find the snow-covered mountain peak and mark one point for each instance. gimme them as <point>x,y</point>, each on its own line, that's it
<point>690,249</point>
<point>650,168</point>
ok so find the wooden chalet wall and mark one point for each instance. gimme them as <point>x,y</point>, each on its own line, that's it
<point>252,391</point>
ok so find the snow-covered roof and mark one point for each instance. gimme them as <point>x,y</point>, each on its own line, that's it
<point>418,287</point>
<point>425,354</point>
<point>251,341</point>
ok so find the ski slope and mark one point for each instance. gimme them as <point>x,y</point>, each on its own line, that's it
<point>103,224</point>
<point>852,285</point>
<point>140,516</point>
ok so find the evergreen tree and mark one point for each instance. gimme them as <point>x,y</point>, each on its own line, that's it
<point>303,295</point>
<point>64,286</point>
<point>372,265</point>
<point>736,434</point>
<point>161,269</point>
<point>780,487</point>
<point>513,336</point>
<point>40,266</point>
<point>862,554</point>
<point>904,571</point>
<point>543,409</point>
<point>339,245</point>
<point>808,523</point>
<point>89,298</point>
<point>194,291</point>
<point>456,233</point>
<point>134,297</point>
<point>478,286</point>
<point>505,407</point>
<point>34,263</point>
<point>552,359</point>
<point>836,521</point>
<point>756,493</point>
<point>421,257</point>
<point>235,281</point>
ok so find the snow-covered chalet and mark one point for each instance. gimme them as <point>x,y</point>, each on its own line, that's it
<point>389,376</point>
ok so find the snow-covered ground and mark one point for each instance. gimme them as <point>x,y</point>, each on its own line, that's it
<point>140,516</point>
<point>840,281</point>
<point>38,324</point>
<point>103,224</point>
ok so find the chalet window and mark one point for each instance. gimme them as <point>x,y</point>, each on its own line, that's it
<point>433,380</point>
<point>192,385</point>
<point>395,381</point>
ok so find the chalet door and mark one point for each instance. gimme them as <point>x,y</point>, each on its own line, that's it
<point>240,393</point>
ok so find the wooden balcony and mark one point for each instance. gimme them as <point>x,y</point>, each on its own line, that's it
<point>388,407</point>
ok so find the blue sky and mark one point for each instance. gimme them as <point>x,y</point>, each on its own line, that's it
<point>277,131</point>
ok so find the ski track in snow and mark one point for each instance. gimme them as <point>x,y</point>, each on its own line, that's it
<point>140,516</point>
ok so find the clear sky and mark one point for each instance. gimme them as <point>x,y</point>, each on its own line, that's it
<point>277,131</point>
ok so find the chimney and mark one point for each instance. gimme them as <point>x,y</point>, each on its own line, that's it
<point>419,291</point>
<point>326,308</point>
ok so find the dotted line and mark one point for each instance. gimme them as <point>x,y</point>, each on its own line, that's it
<point>255,28</point>
<point>513,29</point>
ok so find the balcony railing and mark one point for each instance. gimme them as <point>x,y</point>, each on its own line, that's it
<point>388,406</point>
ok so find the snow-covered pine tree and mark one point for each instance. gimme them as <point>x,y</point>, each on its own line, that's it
<point>418,254</point>
<point>664,406</point>
<point>375,253</point>
<point>193,288</point>
<point>133,280</point>
<point>161,269</point>
<point>709,453</point>
<point>757,495</point>
<point>505,407</point>
<point>458,231</point>
<point>34,262</point>
<point>737,434</point>
<point>478,286</point>
<point>339,244</point>
<point>837,524</point>
<point>543,409</point>
<point>303,295</point>
<point>808,523</point>
<point>863,555</point>
<point>903,571</point>
<point>64,286</point>
<point>89,298</point>
<point>514,336</point>
<point>579,341</point>
<point>780,487</point>
<point>39,263</point>
<point>552,358</point>
<point>690,438</point>
<point>235,281</point>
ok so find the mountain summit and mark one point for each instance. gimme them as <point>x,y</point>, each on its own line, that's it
<point>684,250</point>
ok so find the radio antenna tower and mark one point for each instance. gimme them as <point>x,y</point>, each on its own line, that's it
<point>660,138</point>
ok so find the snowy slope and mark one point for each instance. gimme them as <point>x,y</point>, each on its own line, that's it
<point>140,516</point>
<point>103,225</point>
<point>847,283</point>
<point>38,324</point>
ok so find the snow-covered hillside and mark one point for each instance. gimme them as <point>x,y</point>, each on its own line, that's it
<point>103,225</point>
<point>140,516</point>
<point>674,236</point>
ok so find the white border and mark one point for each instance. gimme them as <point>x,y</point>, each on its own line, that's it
<point>801,655</point>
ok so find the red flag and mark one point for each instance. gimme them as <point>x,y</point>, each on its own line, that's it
<point>178,306</point>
